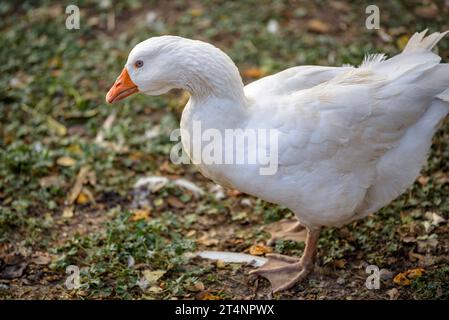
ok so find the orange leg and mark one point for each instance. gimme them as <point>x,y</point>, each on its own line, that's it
<point>286,230</point>
<point>284,272</point>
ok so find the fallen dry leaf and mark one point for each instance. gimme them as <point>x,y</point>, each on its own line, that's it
<point>401,280</point>
<point>415,273</point>
<point>154,289</point>
<point>51,181</point>
<point>153,276</point>
<point>67,212</point>
<point>402,41</point>
<point>427,245</point>
<point>140,214</point>
<point>191,233</point>
<point>428,12</point>
<point>393,294</point>
<point>41,259</point>
<point>208,296</point>
<point>258,250</point>
<point>81,178</point>
<point>434,218</point>
<point>340,263</point>
<point>415,256</point>
<point>65,161</point>
<point>14,267</point>
<point>207,241</point>
<point>441,177</point>
<point>84,197</point>
<point>318,26</point>
<point>75,148</point>
<point>136,156</point>
<point>197,287</point>
<point>253,72</point>
<point>56,127</point>
<point>404,278</point>
<point>13,271</point>
<point>423,180</point>
<point>175,202</point>
<point>233,193</point>
<point>196,12</point>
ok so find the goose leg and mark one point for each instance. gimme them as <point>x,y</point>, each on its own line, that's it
<point>286,230</point>
<point>284,272</point>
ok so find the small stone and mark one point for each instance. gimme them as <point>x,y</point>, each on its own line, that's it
<point>386,274</point>
<point>246,202</point>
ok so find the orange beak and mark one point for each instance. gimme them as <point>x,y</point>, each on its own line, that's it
<point>122,88</point>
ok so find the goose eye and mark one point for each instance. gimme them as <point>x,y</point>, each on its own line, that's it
<point>138,64</point>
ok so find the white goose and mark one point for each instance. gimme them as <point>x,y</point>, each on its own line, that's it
<point>350,141</point>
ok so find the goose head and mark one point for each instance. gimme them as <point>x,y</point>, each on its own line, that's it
<point>159,64</point>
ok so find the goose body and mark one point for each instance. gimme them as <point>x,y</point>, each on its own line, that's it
<point>350,139</point>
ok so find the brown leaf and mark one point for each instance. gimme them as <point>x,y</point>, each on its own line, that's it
<point>13,271</point>
<point>404,278</point>
<point>51,181</point>
<point>415,256</point>
<point>340,263</point>
<point>196,12</point>
<point>414,273</point>
<point>81,178</point>
<point>65,161</point>
<point>136,156</point>
<point>197,287</point>
<point>68,212</point>
<point>207,296</point>
<point>153,276</point>
<point>423,180</point>
<point>338,5</point>
<point>191,233</point>
<point>140,214</point>
<point>258,250</point>
<point>441,177</point>
<point>253,72</point>
<point>401,280</point>
<point>84,197</point>
<point>393,294</point>
<point>428,12</point>
<point>318,26</point>
<point>154,289</point>
<point>175,202</point>
<point>41,258</point>
<point>233,193</point>
<point>15,265</point>
<point>207,241</point>
<point>426,245</point>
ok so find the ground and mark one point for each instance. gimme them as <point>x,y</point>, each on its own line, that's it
<point>69,162</point>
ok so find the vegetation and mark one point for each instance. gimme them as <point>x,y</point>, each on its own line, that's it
<point>69,161</point>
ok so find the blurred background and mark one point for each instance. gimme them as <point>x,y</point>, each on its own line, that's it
<point>69,163</point>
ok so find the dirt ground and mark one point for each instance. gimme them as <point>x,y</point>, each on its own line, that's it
<point>69,162</point>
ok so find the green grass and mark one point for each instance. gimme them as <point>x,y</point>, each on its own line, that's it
<point>52,105</point>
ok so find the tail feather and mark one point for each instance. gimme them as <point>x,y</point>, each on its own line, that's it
<point>444,95</point>
<point>419,41</point>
